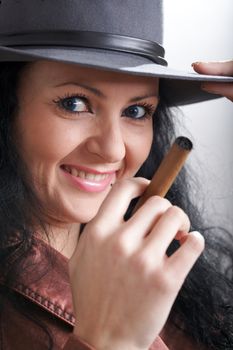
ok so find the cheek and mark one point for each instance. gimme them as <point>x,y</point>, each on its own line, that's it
<point>43,140</point>
<point>144,148</point>
<point>139,148</point>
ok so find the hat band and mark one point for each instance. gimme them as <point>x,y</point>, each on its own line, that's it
<point>97,40</point>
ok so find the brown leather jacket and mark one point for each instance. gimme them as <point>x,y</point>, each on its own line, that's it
<point>37,306</point>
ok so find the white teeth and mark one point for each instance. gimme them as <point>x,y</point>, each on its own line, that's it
<point>100,177</point>
<point>82,174</point>
<point>74,172</point>
<point>90,176</point>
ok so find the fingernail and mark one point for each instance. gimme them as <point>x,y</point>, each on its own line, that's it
<point>195,64</point>
<point>199,62</point>
<point>199,243</point>
<point>199,236</point>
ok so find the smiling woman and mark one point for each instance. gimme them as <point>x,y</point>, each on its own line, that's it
<point>84,124</point>
<point>77,139</point>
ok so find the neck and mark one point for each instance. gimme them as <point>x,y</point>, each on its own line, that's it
<point>63,238</point>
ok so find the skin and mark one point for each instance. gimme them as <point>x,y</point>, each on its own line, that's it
<point>119,270</point>
<point>216,68</point>
<point>102,139</point>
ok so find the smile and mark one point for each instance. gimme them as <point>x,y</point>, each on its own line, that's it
<point>85,175</point>
<point>88,181</point>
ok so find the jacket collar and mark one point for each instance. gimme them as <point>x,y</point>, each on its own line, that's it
<point>44,279</point>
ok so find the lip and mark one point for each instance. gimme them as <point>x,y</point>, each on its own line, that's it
<point>88,185</point>
<point>89,170</point>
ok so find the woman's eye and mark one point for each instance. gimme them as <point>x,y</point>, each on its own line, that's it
<point>73,104</point>
<point>135,112</point>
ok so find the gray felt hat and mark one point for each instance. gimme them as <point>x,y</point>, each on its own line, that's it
<point>119,35</point>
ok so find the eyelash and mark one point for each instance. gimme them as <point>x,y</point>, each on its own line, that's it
<point>58,102</point>
<point>149,108</point>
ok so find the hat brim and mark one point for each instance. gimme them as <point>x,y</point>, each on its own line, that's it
<point>181,87</point>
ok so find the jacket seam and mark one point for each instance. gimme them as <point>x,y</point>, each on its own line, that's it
<point>45,304</point>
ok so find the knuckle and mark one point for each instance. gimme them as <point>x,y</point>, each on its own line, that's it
<point>180,214</point>
<point>156,200</point>
<point>166,203</point>
<point>141,264</point>
<point>157,276</point>
<point>120,248</point>
<point>166,281</point>
<point>177,211</point>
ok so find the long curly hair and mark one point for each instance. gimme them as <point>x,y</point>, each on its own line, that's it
<point>204,307</point>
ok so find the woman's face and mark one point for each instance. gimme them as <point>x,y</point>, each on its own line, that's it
<point>79,131</point>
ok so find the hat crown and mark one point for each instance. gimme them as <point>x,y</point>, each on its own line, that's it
<point>138,18</point>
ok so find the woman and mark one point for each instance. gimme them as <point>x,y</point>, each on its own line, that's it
<point>72,138</point>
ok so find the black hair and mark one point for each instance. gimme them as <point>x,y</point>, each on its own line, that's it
<point>204,308</point>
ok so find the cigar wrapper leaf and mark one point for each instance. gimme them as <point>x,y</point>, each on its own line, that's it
<point>167,171</point>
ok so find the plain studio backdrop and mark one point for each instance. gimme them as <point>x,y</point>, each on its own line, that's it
<point>197,30</point>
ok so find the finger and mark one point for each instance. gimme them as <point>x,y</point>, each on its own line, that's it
<point>214,68</point>
<point>165,230</point>
<point>224,89</point>
<point>141,223</point>
<point>185,257</point>
<point>114,206</point>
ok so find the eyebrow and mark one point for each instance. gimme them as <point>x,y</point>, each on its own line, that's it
<point>102,95</point>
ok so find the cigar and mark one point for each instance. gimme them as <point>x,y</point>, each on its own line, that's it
<point>168,170</point>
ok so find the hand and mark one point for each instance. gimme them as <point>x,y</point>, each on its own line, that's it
<point>216,68</point>
<point>123,283</point>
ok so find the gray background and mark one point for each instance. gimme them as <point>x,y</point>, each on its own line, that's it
<point>198,30</point>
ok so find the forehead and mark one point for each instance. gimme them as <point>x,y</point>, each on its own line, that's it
<point>51,73</point>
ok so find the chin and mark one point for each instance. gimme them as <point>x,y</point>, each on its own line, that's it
<point>80,216</point>
<point>71,211</point>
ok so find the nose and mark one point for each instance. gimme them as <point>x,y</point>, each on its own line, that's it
<point>107,142</point>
